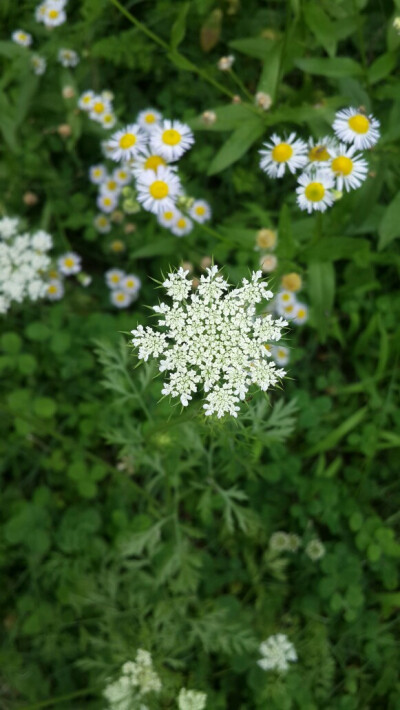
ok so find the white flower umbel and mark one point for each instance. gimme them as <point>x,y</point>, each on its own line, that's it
<point>191,700</point>
<point>277,651</point>
<point>181,226</point>
<point>38,64</point>
<point>212,338</point>
<point>157,191</point>
<point>171,139</point>
<point>148,118</point>
<point>353,126</point>
<point>68,57</point>
<point>314,191</point>
<point>24,39</point>
<point>349,170</point>
<point>137,679</point>
<point>42,241</point>
<point>279,154</point>
<point>69,263</point>
<point>127,143</point>
<point>200,211</point>
<point>8,227</point>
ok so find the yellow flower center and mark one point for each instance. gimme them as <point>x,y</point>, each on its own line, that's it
<point>130,283</point>
<point>154,162</point>
<point>86,99</point>
<point>52,288</point>
<point>342,165</point>
<point>127,141</point>
<point>22,36</point>
<point>301,313</point>
<point>286,297</point>
<point>69,262</point>
<point>120,297</point>
<point>122,175</point>
<point>282,152</point>
<point>97,172</point>
<point>314,191</point>
<point>149,118</point>
<point>181,223</point>
<point>281,353</point>
<point>200,210</point>
<point>267,347</point>
<point>115,278</point>
<point>359,123</point>
<point>168,215</point>
<point>107,201</point>
<point>112,185</point>
<point>289,309</point>
<point>98,107</point>
<point>171,137</point>
<point>53,274</point>
<point>53,14</point>
<point>318,153</point>
<point>159,189</point>
<point>117,245</point>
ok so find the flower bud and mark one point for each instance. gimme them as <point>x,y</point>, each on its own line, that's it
<point>64,130</point>
<point>30,199</point>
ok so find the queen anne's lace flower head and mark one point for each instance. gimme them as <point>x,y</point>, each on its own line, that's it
<point>213,338</point>
<point>276,653</point>
<point>137,678</point>
<point>191,700</point>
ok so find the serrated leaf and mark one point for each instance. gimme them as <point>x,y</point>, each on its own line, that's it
<point>334,67</point>
<point>389,228</point>
<point>237,145</point>
<point>178,30</point>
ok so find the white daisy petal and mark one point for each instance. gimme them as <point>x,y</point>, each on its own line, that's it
<point>148,119</point>
<point>314,191</point>
<point>279,154</point>
<point>171,139</point>
<point>349,170</point>
<point>200,211</point>
<point>127,143</point>
<point>158,191</point>
<point>353,126</point>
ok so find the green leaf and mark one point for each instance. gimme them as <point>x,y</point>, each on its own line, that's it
<point>227,118</point>
<point>321,26</point>
<point>286,243</point>
<point>382,66</point>
<point>333,68</point>
<point>336,248</point>
<point>44,407</point>
<point>180,61</point>
<point>160,246</point>
<point>178,30</point>
<point>321,287</point>
<point>333,438</point>
<point>389,228</point>
<point>270,74</point>
<point>257,47</point>
<point>237,145</point>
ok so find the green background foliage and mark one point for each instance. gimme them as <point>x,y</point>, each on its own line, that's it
<point>127,523</point>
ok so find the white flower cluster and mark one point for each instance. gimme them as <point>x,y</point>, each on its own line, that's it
<point>276,652</point>
<point>99,107</point>
<point>51,13</point>
<point>330,165</point>
<point>23,264</point>
<point>315,549</point>
<point>136,680</point>
<point>68,57</point>
<point>124,288</point>
<point>281,541</point>
<point>214,338</point>
<point>191,700</point>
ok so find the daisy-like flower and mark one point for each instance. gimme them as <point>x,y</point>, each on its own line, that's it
<point>38,64</point>
<point>24,39</point>
<point>352,125</point>
<point>148,118</point>
<point>277,651</point>
<point>284,298</point>
<point>108,120</point>
<point>68,57</point>
<point>157,191</point>
<point>181,226</point>
<point>280,154</point>
<point>225,63</point>
<point>54,15</point>
<point>98,108</point>
<point>120,299</point>
<point>166,219</point>
<point>107,95</point>
<point>315,550</point>
<point>314,191</point>
<point>69,263</point>
<point>148,160</point>
<point>127,143</point>
<point>117,246</point>
<point>191,700</point>
<point>292,282</point>
<point>131,284</point>
<point>40,11</point>
<point>300,314</point>
<point>110,187</point>
<point>200,211</point>
<point>213,337</point>
<point>107,202</point>
<point>171,139</point>
<point>86,100</point>
<point>114,278</point>
<point>55,290</point>
<point>122,176</point>
<point>102,224</point>
<point>288,311</point>
<point>320,150</point>
<point>349,170</point>
<point>97,174</point>
<point>281,355</point>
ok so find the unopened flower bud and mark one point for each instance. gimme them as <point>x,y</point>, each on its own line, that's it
<point>268,263</point>
<point>68,92</point>
<point>291,282</point>
<point>117,246</point>
<point>30,199</point>
<point>187,266</point>
<point>206,262</point>
<point>195,283</point>
<point>117,216</point>
<point>209,118</point>
<point>129,228</point>
<point>263,100</point>
<point>266,239</point>
<point>225,63</point>
<point>130,206</point>
<point>64,130</point>
<point>236,99</point>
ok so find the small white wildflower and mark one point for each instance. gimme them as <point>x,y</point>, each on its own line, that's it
<point>320,150</point>
<point>278,154</point>
<point>263,100</point>
<point>42,241</point>
<point>171,139</point>
<point>279,541</point>
<point>349,170</point>
<point>396,24</point>
<point>119,298</point>
<point>107,202</point>
<point>69,263</point>
<point>126,143</point>
<point>108,120</point>
<point>166,219</point>
<point>209,118</point>
<point>315,550</point>
<point>352,125</point>
<point>97,174</point>
<point>300,315</point>
<point>268,263</point>
<point>68,57</point>
<point>131,284</point>
<point>314,191</point>
<point>281,355</point>
<point>191,700</point>
<point>98,108</point>
<point>102,224</point>
<point>38,64</point>
<point>55,290</point>
<point>158,190</point>
<point>114,278</point>
<point>276,652</point>
<point>54,14</point>
<point>148,118</point>
<point>200,211</point>
<point>181,226</point>
<point>226,63</point>
<point>24,39</point>
<point>86,100</point>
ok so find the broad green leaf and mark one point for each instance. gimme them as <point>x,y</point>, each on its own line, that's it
<point>321,26</point>
<point>228,118</point>
<point>211,30</point>
<point>334,67</point>
<point>270,73</point>
<point>321,287</point>
<point>389,228</point>
<point>257,47</point>
<point>164,246</point>
<point>178,30</point>
<point>336,248</point>
<point>180,61</point>
<point>382,66</point>
<point>237,144</point>
<point>286,244</point>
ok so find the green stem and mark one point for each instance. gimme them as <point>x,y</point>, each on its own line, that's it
<point>60,699</point>
<point>241,86</point>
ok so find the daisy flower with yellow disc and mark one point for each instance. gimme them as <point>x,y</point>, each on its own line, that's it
<point>86,100</point>
<point>148,118</point>
<point>24,39</point>
<point>349,169</point>
<point>314,191</point>
<point>182,225</point>
<point>148,160</point>
<point>98,108</point>
<point>127,143</point>
<point>352,125</point>
<point>157,191</point>
<point>200,211</point>
<point>69,263</point>
<point>279,154</point>
<point>320,150</point>
<point>171,139</point>
<point>167,218</point>
<point>122,175</point>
